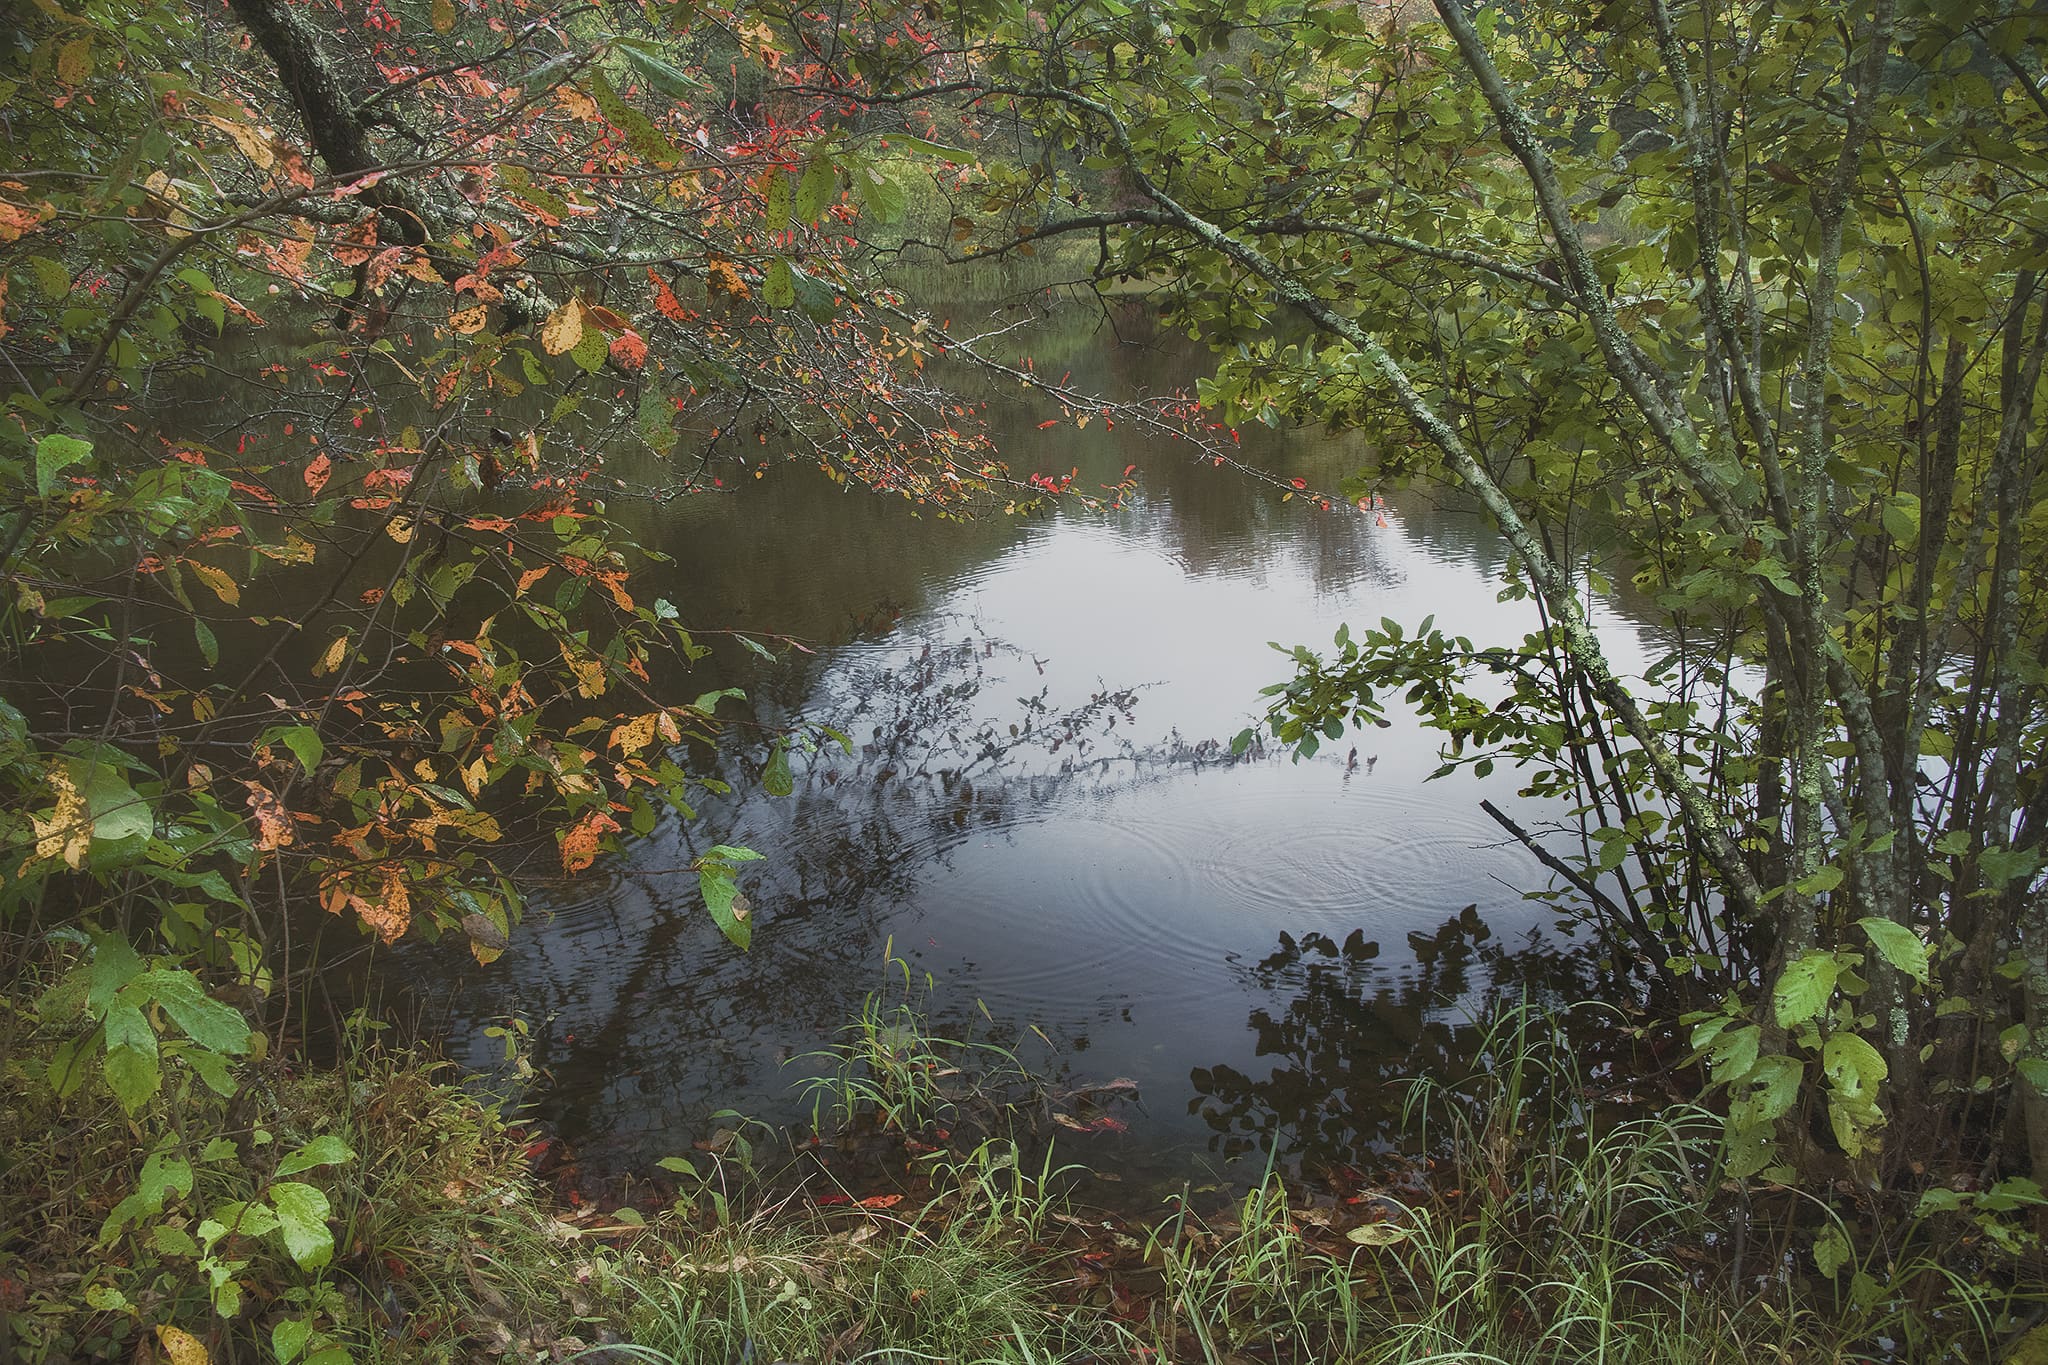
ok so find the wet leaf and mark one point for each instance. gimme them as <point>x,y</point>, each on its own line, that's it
<point>302,1214</point>
<point>1377,1234</point>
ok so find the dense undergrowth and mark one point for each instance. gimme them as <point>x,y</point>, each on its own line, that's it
<point>1543,1235</point>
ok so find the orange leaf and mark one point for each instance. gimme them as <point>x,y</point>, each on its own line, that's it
<point>469,319</point>
<point>273,821</point>
<point>358,242</point>
<point>391,914</point>
<point>881,1201</point>
<point>665,301</point>
<point>580,843</point>
<point>318,472</point>
<point>628,350</point>
<point>531,577</point>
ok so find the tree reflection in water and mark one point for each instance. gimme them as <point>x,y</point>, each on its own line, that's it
<point>1353,1031</point>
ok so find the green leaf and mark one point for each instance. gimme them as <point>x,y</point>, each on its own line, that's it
<point>775,778</point>
<point>244,1220</point>
<point>880,195</point>
<point>1831,1250</point>
<point>164,1175</point>
<point>125,1027</point>
<point>778,288</point>
<point>209,647</point>
<point>54,455</point>
<point>172,1241</point>
<point>304,742</point>
<point>302,1213</point>
<point>114,965</point>
<point>655,418</point>
<point>214,1069</point>
<point>1822,881</point>
<point>70,1064</point>
<point>53,281</point>
<point>589,353</point>
<point>288,1338</point>
<point>729,909</point>
<point>325,1150</point>
<point>666,77</point>
<point>903,142</point>
<point>775,206</point>
<point>817,190</point>
<point>1898,945</point>
<point>1902,518</point>
<point>1852,1063</point>
<point>207,1021</point>
<point>133,1077</point>
<point>1805,988</point>
<point>118,813</point>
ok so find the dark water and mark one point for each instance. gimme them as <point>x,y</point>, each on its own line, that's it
<point>1040,813</point>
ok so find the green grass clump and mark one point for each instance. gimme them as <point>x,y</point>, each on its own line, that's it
<point>962,1279</point>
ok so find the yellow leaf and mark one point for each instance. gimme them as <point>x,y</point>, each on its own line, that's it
<point>419,267</point>
<point>223,586</point>
<point>68,831</point>
<point>181,1346</point>
<point>399,529</point>
<point>474,775</point>
<point>589,674</point>
<point>331,660</point>
<point>636,734</point>
<point>443,15</point>
<point>251,143</point>
<point>563,329</point>
<point>469,319</point>
<point>424,770</point>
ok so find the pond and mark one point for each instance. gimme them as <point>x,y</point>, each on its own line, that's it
<point>1040,816</point>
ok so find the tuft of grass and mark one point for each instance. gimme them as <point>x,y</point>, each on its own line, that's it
<point>1556,1241</point>
<point>963,1279</point>
<point>891,1072</point>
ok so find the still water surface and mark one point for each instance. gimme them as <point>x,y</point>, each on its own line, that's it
<point>1040,812</point>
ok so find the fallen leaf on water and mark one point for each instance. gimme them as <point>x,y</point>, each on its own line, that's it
<point>1377,1234</point>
